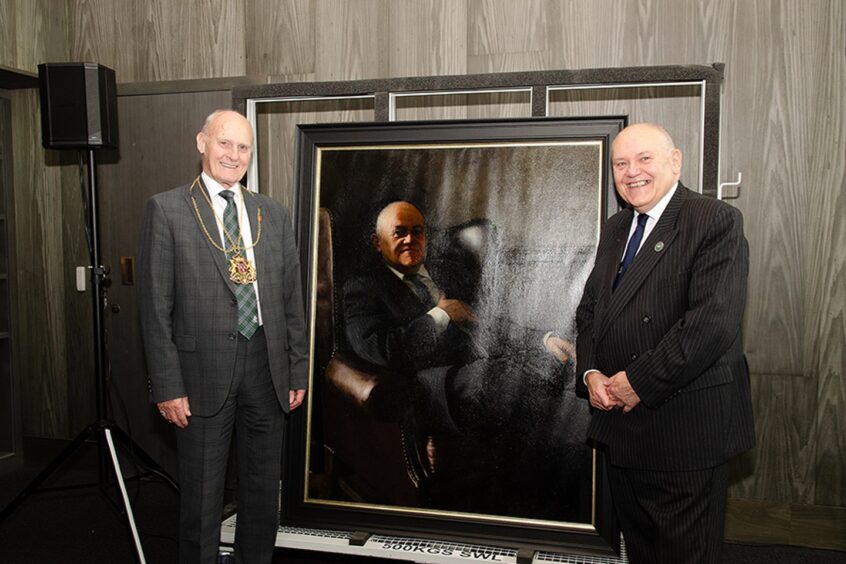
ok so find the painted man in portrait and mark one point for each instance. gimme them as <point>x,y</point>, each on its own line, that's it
<point>418,317</point>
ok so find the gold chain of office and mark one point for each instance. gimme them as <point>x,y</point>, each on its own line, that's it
<point>241,271</point>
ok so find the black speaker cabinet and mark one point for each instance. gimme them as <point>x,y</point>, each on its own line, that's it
<point>78,106</point>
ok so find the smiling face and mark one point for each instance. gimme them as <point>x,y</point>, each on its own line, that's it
<point>401,237</point>
<point>646,164</point>
<point>226,144</point>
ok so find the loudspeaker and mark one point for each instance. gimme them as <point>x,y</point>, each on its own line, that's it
<point>78,106</point>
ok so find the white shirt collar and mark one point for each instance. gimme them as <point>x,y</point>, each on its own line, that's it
<point>216,188</point>
<point>422,272</point>
<point>655,213</point>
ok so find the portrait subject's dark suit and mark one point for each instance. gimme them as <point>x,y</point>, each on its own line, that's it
<point>673,325</point>
<point>485,387</point>
<point>470,368</point>
<point>189,319</point>
<point>387,324</point>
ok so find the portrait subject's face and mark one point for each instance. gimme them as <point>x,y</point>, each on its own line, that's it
<point>401,237</point>
<point>226,146</point>
<point>645,164</point>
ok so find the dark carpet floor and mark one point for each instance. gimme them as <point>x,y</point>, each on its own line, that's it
<point>85,526</point>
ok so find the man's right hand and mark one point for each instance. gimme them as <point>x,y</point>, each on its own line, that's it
<point>458,311</point>
<point>597,385</point>
<point>175,411</point>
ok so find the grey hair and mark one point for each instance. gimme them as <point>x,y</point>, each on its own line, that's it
<point>213,116</point>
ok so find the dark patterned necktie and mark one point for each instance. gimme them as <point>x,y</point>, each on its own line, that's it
<point>245,294</point>
<point>631,249</point>
<point>420,290</point>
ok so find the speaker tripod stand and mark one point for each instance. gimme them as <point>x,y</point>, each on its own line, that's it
<point>103,431</point>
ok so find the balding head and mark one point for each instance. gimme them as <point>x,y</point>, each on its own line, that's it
<point>400,236</point>
<point>646,164</point>
<point>226,143</point>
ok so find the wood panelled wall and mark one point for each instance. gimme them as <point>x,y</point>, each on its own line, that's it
<point>52,346</point>
<point>783,127</point>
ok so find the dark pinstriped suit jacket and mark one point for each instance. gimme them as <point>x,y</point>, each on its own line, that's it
<point>189,315</point>
<point>673,324</point>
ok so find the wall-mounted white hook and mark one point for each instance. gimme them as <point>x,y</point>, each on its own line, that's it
<point>735,183</point>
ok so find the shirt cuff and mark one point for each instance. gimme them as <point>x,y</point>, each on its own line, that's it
<point>584,376</point>
<point>441,318</point>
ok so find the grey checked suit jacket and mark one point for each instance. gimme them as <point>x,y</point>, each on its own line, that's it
<point>673,324</point>
<point>188,312</point>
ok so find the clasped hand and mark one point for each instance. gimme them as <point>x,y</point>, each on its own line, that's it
<point>458,311</point>
<point>608,393</point>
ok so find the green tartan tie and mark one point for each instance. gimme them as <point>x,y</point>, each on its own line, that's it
<point>246,295</point>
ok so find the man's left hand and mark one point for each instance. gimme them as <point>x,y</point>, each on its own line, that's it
<point>619,388</point>
<point>560,349</point>
<point>295,398</point>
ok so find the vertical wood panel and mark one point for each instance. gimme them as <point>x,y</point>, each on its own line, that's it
<point>161,39</point>
<point>503,26</point>
<point>509,62</point>
<point>41,346</point>
<point>56,388</point>
<point>512,36</point>
<point>349,39</point>
<point>426,37</point>
<point>11,438</point>
<point>592,34</point>
<point>216,40</point>
<point>280,38</point>
<point>785,440</point>
<point>490,105</point>
<point>764,130</point>
<point>93,26</point>
<point>8,43</point>
<point>39,31</point>
<point>824,340</point>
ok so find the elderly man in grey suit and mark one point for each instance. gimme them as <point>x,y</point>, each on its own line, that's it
<point>660,353</point>
<point>222,320</point>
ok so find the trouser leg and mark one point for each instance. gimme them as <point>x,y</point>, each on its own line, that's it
<point>203,448</point>
<point>259,430</point>
<point>671,517</point>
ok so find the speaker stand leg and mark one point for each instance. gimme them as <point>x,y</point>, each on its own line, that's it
<point>129,515</point>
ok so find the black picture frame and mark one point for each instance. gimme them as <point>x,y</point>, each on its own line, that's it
<point>354,168</point>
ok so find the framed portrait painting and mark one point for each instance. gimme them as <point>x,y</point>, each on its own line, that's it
<point>443,412</point>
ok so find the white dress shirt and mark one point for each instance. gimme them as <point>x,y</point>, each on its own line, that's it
<point>219,205</point>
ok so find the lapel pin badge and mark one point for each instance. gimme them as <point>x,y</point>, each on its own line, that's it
<point>659,246</point>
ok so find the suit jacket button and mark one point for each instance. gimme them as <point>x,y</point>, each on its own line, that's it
<point>231,336</point>
<point>647,319</point>
<point>634,356</point>
<point>233,302</point>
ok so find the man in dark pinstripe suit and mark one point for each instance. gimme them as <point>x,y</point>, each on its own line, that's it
<point>660,353</point>
<point>222,320</point>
